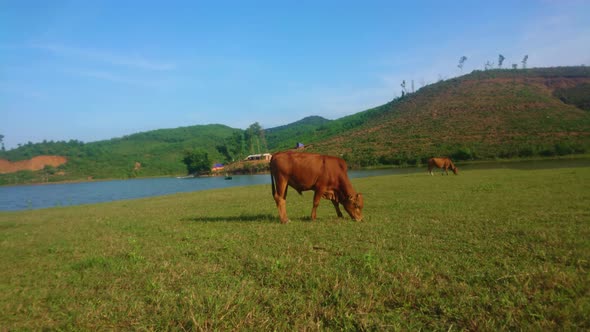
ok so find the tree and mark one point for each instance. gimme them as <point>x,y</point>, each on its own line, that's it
<point>235,144</point>
<point>501,59</point>
<point>263,139</point>
<point>254,137</point>
<point>2,142</point>
<point>488,65</point>
<point>403,85</point>
<point>524,60</point>
<point>48,170</point>
<point>462,62</point>
<point>197,162</point>
<point>223,149</point>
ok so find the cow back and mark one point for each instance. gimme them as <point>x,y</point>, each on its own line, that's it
<point>306,171</point>
<point>440,162</point>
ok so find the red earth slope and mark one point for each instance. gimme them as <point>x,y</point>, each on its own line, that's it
<point>33,164</point>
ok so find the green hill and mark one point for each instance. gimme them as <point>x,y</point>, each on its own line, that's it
<point>304,130</point>
<point>159,152</point>
<point>482,115</point>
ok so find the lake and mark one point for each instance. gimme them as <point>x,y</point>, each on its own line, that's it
<point>14,198</point>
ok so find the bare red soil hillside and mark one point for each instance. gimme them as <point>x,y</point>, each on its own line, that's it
<point>33,164</point>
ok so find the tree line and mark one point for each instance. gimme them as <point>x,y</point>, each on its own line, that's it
<point>236,147</point>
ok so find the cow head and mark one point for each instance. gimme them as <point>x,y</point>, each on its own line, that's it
<point>354,206</point>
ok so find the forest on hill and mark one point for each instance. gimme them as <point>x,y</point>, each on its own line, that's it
<point>501,113</point>
<point>158,152</point>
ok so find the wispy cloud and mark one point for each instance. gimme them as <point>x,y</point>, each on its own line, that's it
<point>134,61</point>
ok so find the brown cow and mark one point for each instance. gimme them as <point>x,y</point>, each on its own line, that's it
<point>325,175</point>
<point>444,163</point>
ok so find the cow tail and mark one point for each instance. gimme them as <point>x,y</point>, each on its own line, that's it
<point>272,179</point>
<point>272,184</point>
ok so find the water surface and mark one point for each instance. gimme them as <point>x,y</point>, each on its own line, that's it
<point>25,197</point>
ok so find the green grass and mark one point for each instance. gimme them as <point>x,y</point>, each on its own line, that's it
<point>485,250</point>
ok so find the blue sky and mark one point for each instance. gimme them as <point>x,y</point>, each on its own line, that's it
<point>94,70</point>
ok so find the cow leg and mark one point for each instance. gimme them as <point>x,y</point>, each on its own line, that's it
<point>280,197</point>
<point>338,212</point>
<point>317,196</point>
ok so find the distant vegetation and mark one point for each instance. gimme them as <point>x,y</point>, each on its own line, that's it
<point>304,130</point>
<point>578,95</point>
<point>500,113</point>
<point>159,152</point>
<point>197,162</point>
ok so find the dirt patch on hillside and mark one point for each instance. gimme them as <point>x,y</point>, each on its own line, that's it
<point>33,164</point>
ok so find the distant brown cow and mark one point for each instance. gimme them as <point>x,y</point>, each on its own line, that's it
<point>325,175</point>
<point>444,163</point>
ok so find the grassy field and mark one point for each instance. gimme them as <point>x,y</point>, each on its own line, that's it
<point>485,250</point>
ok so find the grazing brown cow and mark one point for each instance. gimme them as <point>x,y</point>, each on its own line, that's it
<point>325,175</point>
<point>444,163</point>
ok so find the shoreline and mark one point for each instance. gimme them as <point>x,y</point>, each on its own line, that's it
<point>218,174</point>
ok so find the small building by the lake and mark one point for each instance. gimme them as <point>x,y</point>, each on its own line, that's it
<point>260,156</point>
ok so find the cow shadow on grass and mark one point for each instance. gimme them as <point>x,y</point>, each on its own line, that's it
<point>267,218</point>
<point>239,218</point>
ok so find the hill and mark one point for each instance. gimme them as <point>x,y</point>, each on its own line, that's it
<point>482,115</point>
<point>304,130</point>
<point>152,153</point>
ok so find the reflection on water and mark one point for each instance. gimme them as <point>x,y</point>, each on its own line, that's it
<point>43,196</point>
